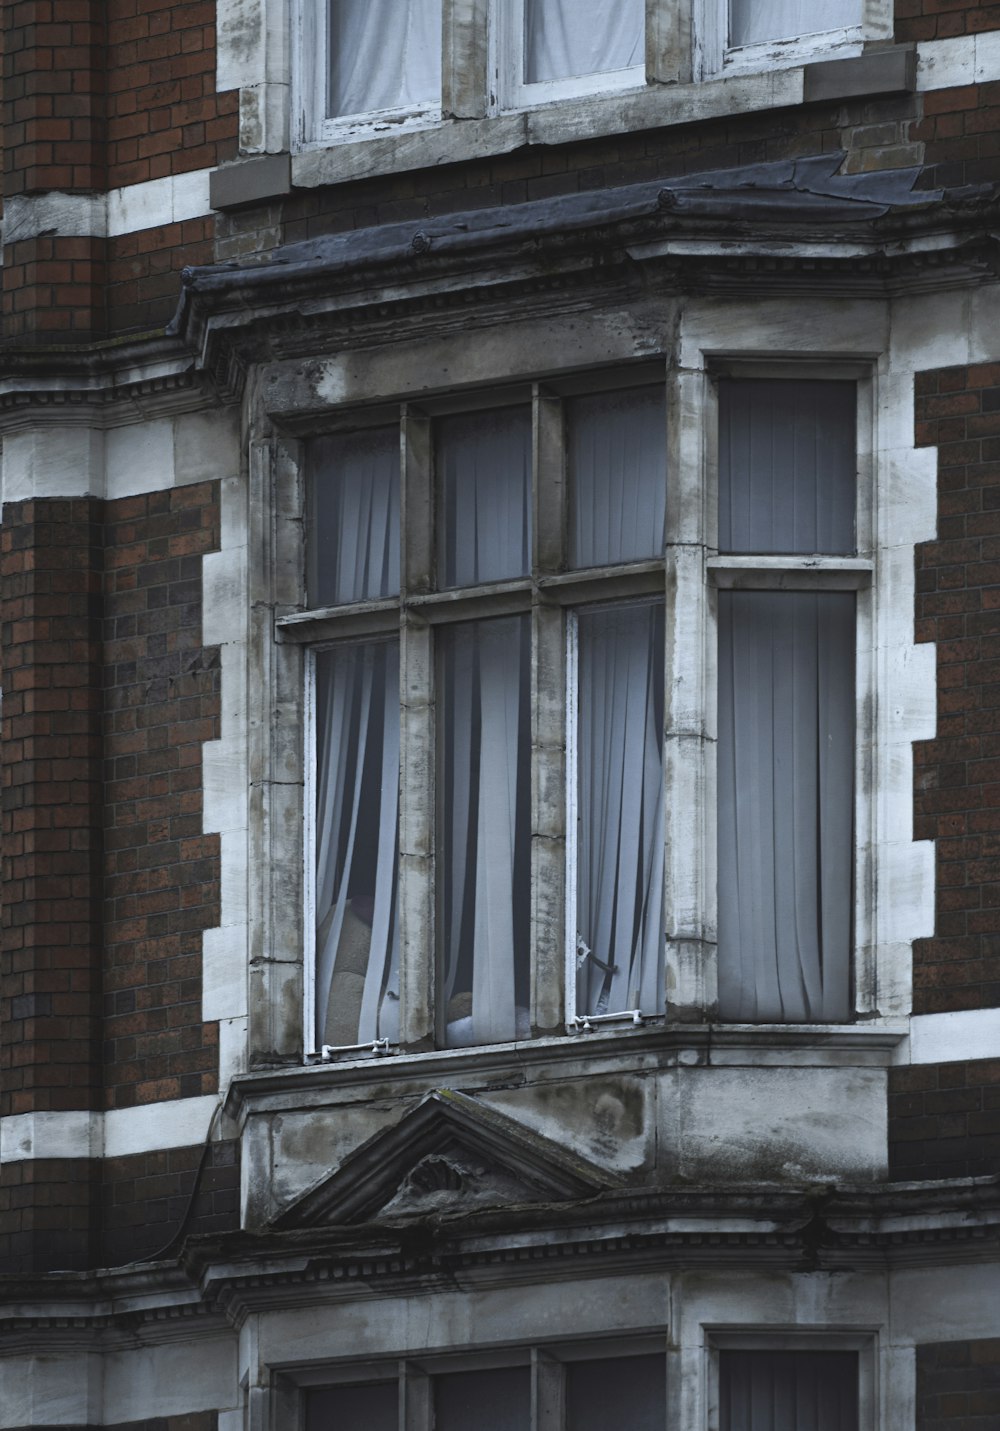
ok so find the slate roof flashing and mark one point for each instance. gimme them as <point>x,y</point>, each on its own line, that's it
<point>783,202</point>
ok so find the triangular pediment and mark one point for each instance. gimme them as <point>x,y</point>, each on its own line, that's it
<point>451,1154</point>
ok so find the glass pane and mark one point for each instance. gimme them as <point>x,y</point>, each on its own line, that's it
<point>384,54</point>
<point>348,1408</point>
<point>620,775</point>
<point>618,476</point>
<point>751,22</point>
<point>484,1400</point>
<point>628,1392</point>
<point>486,855</point>
<point>557,45</point>
<point>484,461</point>
<point>788,1391</point>
<point>357,801</point>
<point>786,805</point>
<point>353,535</point>
<point>787,467</point>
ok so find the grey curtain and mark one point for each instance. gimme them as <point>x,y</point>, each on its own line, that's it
<point>353,537</point>
<point>787,467</point>
<point>786,804</point>
<point>384,54</point>
<point>617,451</point>
<point>754,21</point>
<point>788,1391</point>
<point>620,840</point>
<point>484,463</point>
<point>560,41</point>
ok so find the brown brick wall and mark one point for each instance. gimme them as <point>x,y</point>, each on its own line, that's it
<point>957,774</point>
<point>943,19</point>
<point>144,272</point>
<point>151,1202</point>
<point>161,701</point>
<point>50,608</point>
<point>958,1386</point>
<point>961,133</point>
<point>944,1120</point>
<point>49,1216</point>
<point>53,95</point>
<point>54,289</point>
<point>164,113</point>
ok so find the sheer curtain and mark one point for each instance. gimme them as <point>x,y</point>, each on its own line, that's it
<point>786,804</point>
<point>754,21</point>
<point>384,54</point>
<point>620,773</point>
<point>617,448</point>
<point>484,465</point>
<point>353,539</point>
<point>357,752</point>
<point>787,466</point>
<point>788,1391</point>
<point>561,41</point>
<point>484,460</point>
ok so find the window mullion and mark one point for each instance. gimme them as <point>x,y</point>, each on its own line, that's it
<point>548,1392</point>
<point>669,30</point>
<point>416,1409</point>
<point>689,718</point>
<point>417,743</point>
<point>549,772</point>
<point>464,62</point>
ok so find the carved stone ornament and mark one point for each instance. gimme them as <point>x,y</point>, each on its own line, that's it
<point>449,1155</point>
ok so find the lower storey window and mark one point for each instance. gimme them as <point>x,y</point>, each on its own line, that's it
<point>572,1391</point>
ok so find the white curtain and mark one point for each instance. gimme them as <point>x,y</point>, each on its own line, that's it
<point>487,785</point>
<point>384,54</point>
<point>354,517</point>
<point>787,466</point>
<point>620,772</point>
<point>357,754</point>
<point>786,805</point>
<point>788,1391</point>
<point>484,460</point>
<point>563,39</point>
<point>618,476</point>
<point>752,22</point>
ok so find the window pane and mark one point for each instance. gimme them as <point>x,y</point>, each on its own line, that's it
<point>354,517</point>
<point>629,1392</point>
<point>618,483</point>
<point>384,54</point>
<point>347,1408</point>
<point>557,45</point>
<point>484,1400</point>
<point>620,774</point>
<point>484,460</point>
<point>787,466</point>
<point>788,1391</point>
<point>357,800</point>
<point>754,21</point>
<point>486,787</point>
<point>786,804</point>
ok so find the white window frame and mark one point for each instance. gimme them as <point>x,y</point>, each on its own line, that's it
<point>863,1341</point>
<point>715,57</point>
<point>507,66</point>
<point>696,573</point>
<point>310,65</point>
<point>693,568</point>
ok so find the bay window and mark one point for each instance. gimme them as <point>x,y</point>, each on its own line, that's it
<point>490,607</point>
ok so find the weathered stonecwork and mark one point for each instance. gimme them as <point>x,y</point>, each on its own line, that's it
<point>498,599</point>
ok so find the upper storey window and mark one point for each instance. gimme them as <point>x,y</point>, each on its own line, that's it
<point>384,57</point>
<point>369,67</point>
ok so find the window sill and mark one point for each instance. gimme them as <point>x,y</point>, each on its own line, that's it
<point>815,76</point>
<point>872,1044</point>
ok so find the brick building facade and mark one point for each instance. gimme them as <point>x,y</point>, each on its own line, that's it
<point>220,287</point>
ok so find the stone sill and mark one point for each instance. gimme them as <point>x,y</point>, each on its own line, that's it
<point>888,70</point>
<point>872,1044</point>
